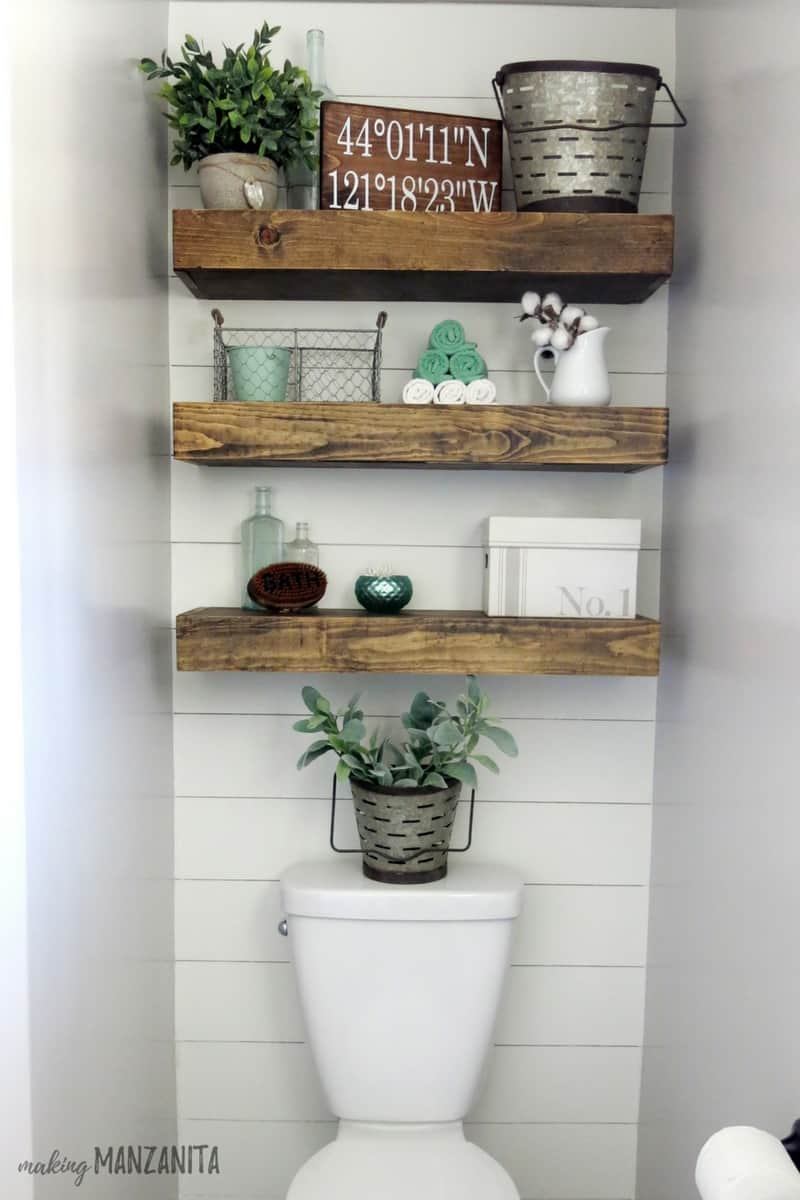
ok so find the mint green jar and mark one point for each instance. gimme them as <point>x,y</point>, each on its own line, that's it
<point>259,373</point>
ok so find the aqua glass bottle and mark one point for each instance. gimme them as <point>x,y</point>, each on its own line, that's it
<point>301,548</point>
<point>262,542</point>
<point>303,182</point>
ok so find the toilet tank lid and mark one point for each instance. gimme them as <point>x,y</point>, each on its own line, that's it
<point>338,889</point>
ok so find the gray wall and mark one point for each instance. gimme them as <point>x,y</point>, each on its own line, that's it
<point>91,339</point>
<point>724,966</point>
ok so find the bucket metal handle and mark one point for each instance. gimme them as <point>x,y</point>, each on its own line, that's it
<point>452,849</point>
<point>681,123</point>
<point>377,352</point>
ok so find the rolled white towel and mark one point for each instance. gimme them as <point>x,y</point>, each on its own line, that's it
<point>450,391</point>
<point>418,391</point>
<point>481,391</point>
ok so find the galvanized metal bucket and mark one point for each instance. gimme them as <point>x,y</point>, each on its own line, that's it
<point>577,132</point>
<point>405,833</point>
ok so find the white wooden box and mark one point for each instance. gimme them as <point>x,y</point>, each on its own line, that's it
<point>561,567</point>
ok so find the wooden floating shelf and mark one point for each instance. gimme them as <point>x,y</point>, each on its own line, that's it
<point>610,258</point>
<point>398,435</point>
<point>414,641</point>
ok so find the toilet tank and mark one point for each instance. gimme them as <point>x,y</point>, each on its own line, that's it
<point>400,983</point>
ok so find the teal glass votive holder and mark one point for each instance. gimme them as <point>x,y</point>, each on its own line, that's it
<point>383,593</point>
<point>259,373</point>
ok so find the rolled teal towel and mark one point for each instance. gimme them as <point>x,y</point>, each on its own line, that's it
<point>467,365</point>
<point>447,336</point>
<point>432,365</point>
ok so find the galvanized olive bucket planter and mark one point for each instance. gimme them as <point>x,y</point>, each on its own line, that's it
<point>405,832</point>
<point>577,132</point>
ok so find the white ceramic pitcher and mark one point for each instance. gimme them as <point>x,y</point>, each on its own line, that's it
<point>581,374</point>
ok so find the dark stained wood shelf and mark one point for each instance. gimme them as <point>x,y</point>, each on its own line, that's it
<point>611,258</point>
<point>399,435</point>
<point>414,641</point>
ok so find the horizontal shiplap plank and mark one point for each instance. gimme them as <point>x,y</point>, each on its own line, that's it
<point>582,926</point>
<point>560,1083</point>
<point>237,1002</point>
<point>444,577</point>
<point>637,342</point>
<point>266,1082</point>
<point>237,920</point>
<point>393,60</point>
<point>556,697</point>
<point>414,508</point>
<point>249,838</point>
<point>605,762</point>
<point>229,920</point>
<point>563,1162</point>
<point>542,1006</point>
<point>572,1006</point>
<point>547,1162</point>
<point>195,384</point>
<point>278,1082</point>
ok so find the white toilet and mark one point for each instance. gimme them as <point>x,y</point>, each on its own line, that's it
<point>400,986</point>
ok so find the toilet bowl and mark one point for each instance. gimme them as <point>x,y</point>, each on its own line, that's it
<point>400,987</point>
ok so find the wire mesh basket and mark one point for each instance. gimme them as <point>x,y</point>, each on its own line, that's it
<point>330,365</point>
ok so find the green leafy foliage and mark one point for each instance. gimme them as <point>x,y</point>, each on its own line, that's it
<point>244,105</point>
<point>440,743</point>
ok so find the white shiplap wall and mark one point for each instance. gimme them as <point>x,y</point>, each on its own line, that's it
<point>572,814</point>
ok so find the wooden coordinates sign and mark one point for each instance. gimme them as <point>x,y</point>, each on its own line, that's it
<point>401,160</point>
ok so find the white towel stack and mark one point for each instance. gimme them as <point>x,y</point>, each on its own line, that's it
<point>481,391</point>
<point>450,391</point>
<point>418,391</point>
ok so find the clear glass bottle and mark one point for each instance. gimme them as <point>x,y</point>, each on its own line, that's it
<point>301,548</point>
<point>262,542</point>
<point>304,183</point>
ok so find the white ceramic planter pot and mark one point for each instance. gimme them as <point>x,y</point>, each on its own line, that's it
<point>238,181</point>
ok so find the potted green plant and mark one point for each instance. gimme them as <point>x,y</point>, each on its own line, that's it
<point>406,793</point>
<point>241,120</point>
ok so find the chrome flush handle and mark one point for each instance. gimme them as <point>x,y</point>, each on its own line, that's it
<point>283,928</point>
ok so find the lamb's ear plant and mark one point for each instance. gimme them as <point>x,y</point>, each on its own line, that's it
<point>440,743</point>
<point>244,105</point>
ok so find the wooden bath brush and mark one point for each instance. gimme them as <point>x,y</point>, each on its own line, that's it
<point>288,586</point>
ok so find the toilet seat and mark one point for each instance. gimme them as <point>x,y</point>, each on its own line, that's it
<point>394,1162</point>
